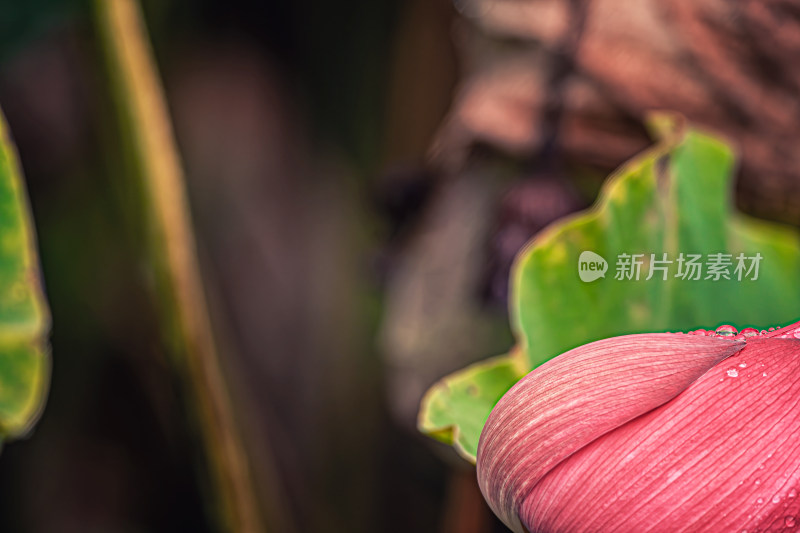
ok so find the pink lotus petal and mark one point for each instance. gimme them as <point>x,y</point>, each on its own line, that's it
<point>722,456</point>
<point>789,332</point>
<point>564,405</point>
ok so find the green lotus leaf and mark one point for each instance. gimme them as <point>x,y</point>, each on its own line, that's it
<point>666,215</point>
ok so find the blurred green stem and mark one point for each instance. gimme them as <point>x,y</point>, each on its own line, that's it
<point>146,129</point>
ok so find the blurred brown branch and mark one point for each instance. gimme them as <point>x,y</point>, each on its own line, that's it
<point>730,66</point>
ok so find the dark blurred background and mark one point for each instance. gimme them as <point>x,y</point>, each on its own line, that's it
<point>361,176</point>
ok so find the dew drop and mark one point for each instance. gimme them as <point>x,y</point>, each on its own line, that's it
<point>792,493</point>
<point>776,498</point>
<point>742,365</point>
<point>789,521</point>
<point>772,329</point>
<point>797,334</point>
<point>760,501</point>
<point>749,332</point>
<point>726,331</point>
<point>764,374</point>
<point>758,482</point>
<point>733,373</point>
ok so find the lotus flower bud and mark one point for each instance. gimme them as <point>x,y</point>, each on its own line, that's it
<point>652,432</point>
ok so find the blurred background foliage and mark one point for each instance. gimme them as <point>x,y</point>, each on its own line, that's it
<point>361,176</point>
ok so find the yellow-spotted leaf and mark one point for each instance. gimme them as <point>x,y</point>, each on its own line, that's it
<point>455,409</point>
<point>24,316</point>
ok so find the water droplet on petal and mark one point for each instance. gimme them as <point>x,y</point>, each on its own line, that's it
<point>789,521</point>
<point>764,374</point>
<point>776,498</point>
<point>726,331</point>
<point>758,482</point>
<point>733,373</point>
<point>742,365</point>
<point>792,493</point>
<point>760,501</point>
<point>749,332</point>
